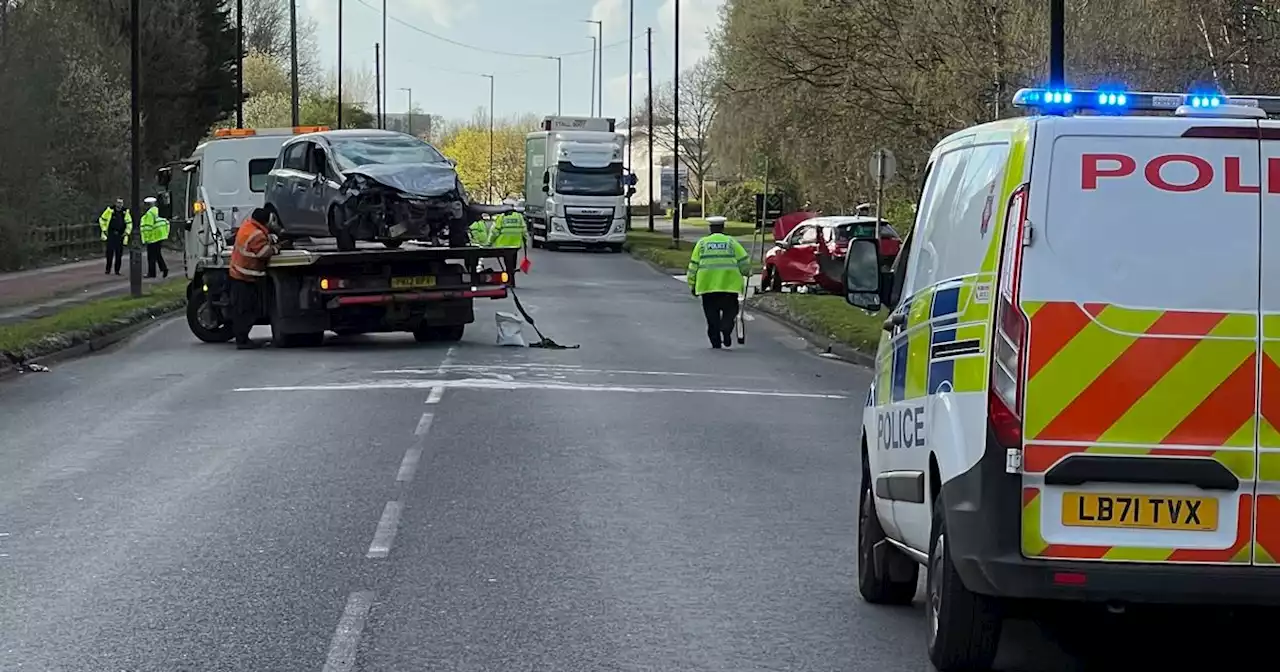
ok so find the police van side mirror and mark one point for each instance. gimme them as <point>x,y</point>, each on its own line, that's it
<point>862,274</point>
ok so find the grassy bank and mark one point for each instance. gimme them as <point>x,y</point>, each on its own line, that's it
<point>79,323</point>
<point>656,247</point>
<point>827,316</point>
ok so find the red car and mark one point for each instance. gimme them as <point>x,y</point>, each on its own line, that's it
<point>813,253</point>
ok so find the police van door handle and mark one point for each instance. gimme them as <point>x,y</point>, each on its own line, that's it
<point>896,320</point>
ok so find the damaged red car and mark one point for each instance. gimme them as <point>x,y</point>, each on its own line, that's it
<point>813,253</point>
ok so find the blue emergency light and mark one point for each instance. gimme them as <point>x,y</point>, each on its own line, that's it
<point>1067,101</point>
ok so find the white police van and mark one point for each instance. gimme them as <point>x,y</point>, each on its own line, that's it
<point>1077,395</point>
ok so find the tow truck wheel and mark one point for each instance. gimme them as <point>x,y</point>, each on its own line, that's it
<point>204,319</point>
<point>393,244</point>
<point>963,627</point>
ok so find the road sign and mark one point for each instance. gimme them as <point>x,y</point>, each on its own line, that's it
<point>883,166</point>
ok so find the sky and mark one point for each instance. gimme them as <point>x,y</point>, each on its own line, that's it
<point>446,78</point>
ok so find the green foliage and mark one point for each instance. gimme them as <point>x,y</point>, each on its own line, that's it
<point>469,146</point>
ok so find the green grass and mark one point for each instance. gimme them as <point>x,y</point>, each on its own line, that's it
<point>828,316</point>
<point>78,322</point>
<point>733,228</point>
<point>656,247</point>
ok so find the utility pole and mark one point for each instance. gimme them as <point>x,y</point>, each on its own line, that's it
<point>675,134</point>
<point>386,99</point>
<point>490,77</point>
<point>600,62</point>
<point>631,66</point>
<point>410,92</point>
<point>135,145</point>
<point>1057,43</point>
<point>649,50</point>
<point>559,83</point>
<point>593,74</point>
<point>339,63</point>
<point>377,84</point>
<point>294,112</point>
<point>239,65</point>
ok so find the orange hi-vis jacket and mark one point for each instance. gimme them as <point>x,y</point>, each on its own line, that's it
<point>252,250</point>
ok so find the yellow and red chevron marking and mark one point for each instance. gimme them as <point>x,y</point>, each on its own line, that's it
<point>1035,546</point>
<point>1266,542</point>
<point>1266,550</point>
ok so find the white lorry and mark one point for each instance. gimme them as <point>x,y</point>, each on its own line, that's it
<point>575,187</point>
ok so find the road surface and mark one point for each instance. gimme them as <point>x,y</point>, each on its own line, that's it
<point>642,503</point>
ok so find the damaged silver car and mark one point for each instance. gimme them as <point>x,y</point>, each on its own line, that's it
<point>369,185</point>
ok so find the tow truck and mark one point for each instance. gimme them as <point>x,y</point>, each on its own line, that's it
<point>312,287</point>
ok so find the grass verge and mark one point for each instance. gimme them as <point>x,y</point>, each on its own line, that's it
<point>656,248</point>
<point>79,323</point>
<point>826,315</point>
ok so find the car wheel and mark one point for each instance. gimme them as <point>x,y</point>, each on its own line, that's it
<point>205,320</point>
<point>346,242</point>
<point>892,580</point>
<point>775,280</point>
<point>963,627</point>
<point>393,244</point>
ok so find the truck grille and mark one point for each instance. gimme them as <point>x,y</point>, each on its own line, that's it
<point>589,225</point>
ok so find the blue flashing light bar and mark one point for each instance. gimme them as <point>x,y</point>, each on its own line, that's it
<point>1062,101</point>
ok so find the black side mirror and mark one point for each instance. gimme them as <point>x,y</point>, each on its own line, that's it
<point>862,274</point>
<point>546,189</point>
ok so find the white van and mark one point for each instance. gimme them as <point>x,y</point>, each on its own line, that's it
<point>221,183</point>
<point>1077,395</point>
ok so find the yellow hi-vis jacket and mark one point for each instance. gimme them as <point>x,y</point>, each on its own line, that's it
<point>718,264</point>
<point>509,231</point>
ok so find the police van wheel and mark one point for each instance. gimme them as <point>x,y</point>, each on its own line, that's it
<point>893,579</point>
<point>963,627</point>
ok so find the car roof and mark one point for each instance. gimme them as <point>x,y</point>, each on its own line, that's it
<point>841,220</point>
<point>353,134</point>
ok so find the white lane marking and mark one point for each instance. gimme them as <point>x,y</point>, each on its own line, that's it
<point>424,423</point>
<point>386,532</point>
<point>489,384</point>
<point>480,368</point>
<point>434,396</point>
<point>448,359</point>
<point>342,650</point>
<point>409,465</point>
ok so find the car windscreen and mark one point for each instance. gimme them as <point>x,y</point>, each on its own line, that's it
<point>589,181</point>
<point>352,152</point>
<point>847,232</point>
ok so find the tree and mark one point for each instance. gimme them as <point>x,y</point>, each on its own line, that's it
<point>698,107</point>
<point>469,146</point>
<point>267,33</point>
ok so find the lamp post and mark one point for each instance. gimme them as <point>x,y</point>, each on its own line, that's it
<point>294,112</point>
<point>631,43</point>
<point>649,41</point>
<point>599,64</point>
<point>382,121</point>
<point>410,92</point>
<point>239,65</point>
<point>593,74</point>
<point>377,85</point>
<point>675,134</point>
<point>559,83</point>
<point>490,78</point>
<point>135,147</point>
<point>339,63</point>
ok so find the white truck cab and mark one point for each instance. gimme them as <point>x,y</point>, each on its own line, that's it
<point>1077,394</point>
<point>220,184</point>
<point>576,189</point>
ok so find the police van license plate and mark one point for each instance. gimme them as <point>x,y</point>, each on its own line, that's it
<point>1150,512</point>
<point>414,282</point>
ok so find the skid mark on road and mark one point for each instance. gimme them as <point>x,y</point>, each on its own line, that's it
<point>490,384</point>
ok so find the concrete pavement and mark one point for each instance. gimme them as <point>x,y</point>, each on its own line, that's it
<point>643,503</point>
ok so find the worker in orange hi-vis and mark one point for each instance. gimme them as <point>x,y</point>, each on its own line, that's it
<point>249,257</point>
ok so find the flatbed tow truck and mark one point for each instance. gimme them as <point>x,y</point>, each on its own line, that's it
<point>312,287</point>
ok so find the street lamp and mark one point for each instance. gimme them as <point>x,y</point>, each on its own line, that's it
<point>675,134</point>
<point>559,83</point>
<point>339,63</point>
<point>600,56</point>
<point>410,92</point>
<point>631,43</point>
<point>593,74</point>
<point>382,104</point>
<point>239,65</point>
<point>135,145</point>
<point>293,63</point>
<point>490,78</point>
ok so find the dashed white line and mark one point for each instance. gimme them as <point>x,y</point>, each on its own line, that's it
<point>386,532</point>
<point>488,384</point>
<point>342,651</point>
<point>434,396</point>
<point>409,465</point>
<point>424,423</point>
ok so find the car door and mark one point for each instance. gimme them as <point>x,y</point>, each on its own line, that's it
<point>799,262</point>
<point>1266,548</point>
<point>284,192</point>
<point>319,192</point>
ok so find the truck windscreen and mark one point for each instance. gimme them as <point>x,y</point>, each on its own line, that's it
<point>589,181</point>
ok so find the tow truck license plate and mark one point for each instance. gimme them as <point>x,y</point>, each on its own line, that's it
<point>1150,512</point>
<point>414,282</point>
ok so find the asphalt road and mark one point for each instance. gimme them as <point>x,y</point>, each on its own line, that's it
<point>642,503</point>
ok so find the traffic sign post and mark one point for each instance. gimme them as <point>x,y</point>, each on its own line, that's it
<point>884,165</point>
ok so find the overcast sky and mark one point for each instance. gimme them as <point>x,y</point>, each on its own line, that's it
<point>445,77</point>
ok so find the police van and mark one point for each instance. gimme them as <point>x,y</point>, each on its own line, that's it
<point>1077,395</point>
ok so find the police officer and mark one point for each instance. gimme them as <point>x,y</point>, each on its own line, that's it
<point>509,230</point>
<point>717,269</point>
<point>478,231</point>
<point>154,230</point>
<point>116,224</point>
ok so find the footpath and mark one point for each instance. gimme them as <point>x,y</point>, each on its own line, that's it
<point>41,292</point>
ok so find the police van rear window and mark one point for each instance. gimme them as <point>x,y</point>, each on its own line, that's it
<point>258,169</point>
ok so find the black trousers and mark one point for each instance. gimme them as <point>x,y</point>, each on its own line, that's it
<point>115,252</point>
<point>155,257</point>
<point>244,308</point>
<point>721,309</point>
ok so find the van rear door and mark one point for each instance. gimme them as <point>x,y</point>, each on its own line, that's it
<point>1267,500</point>
<point>1140,286</point>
